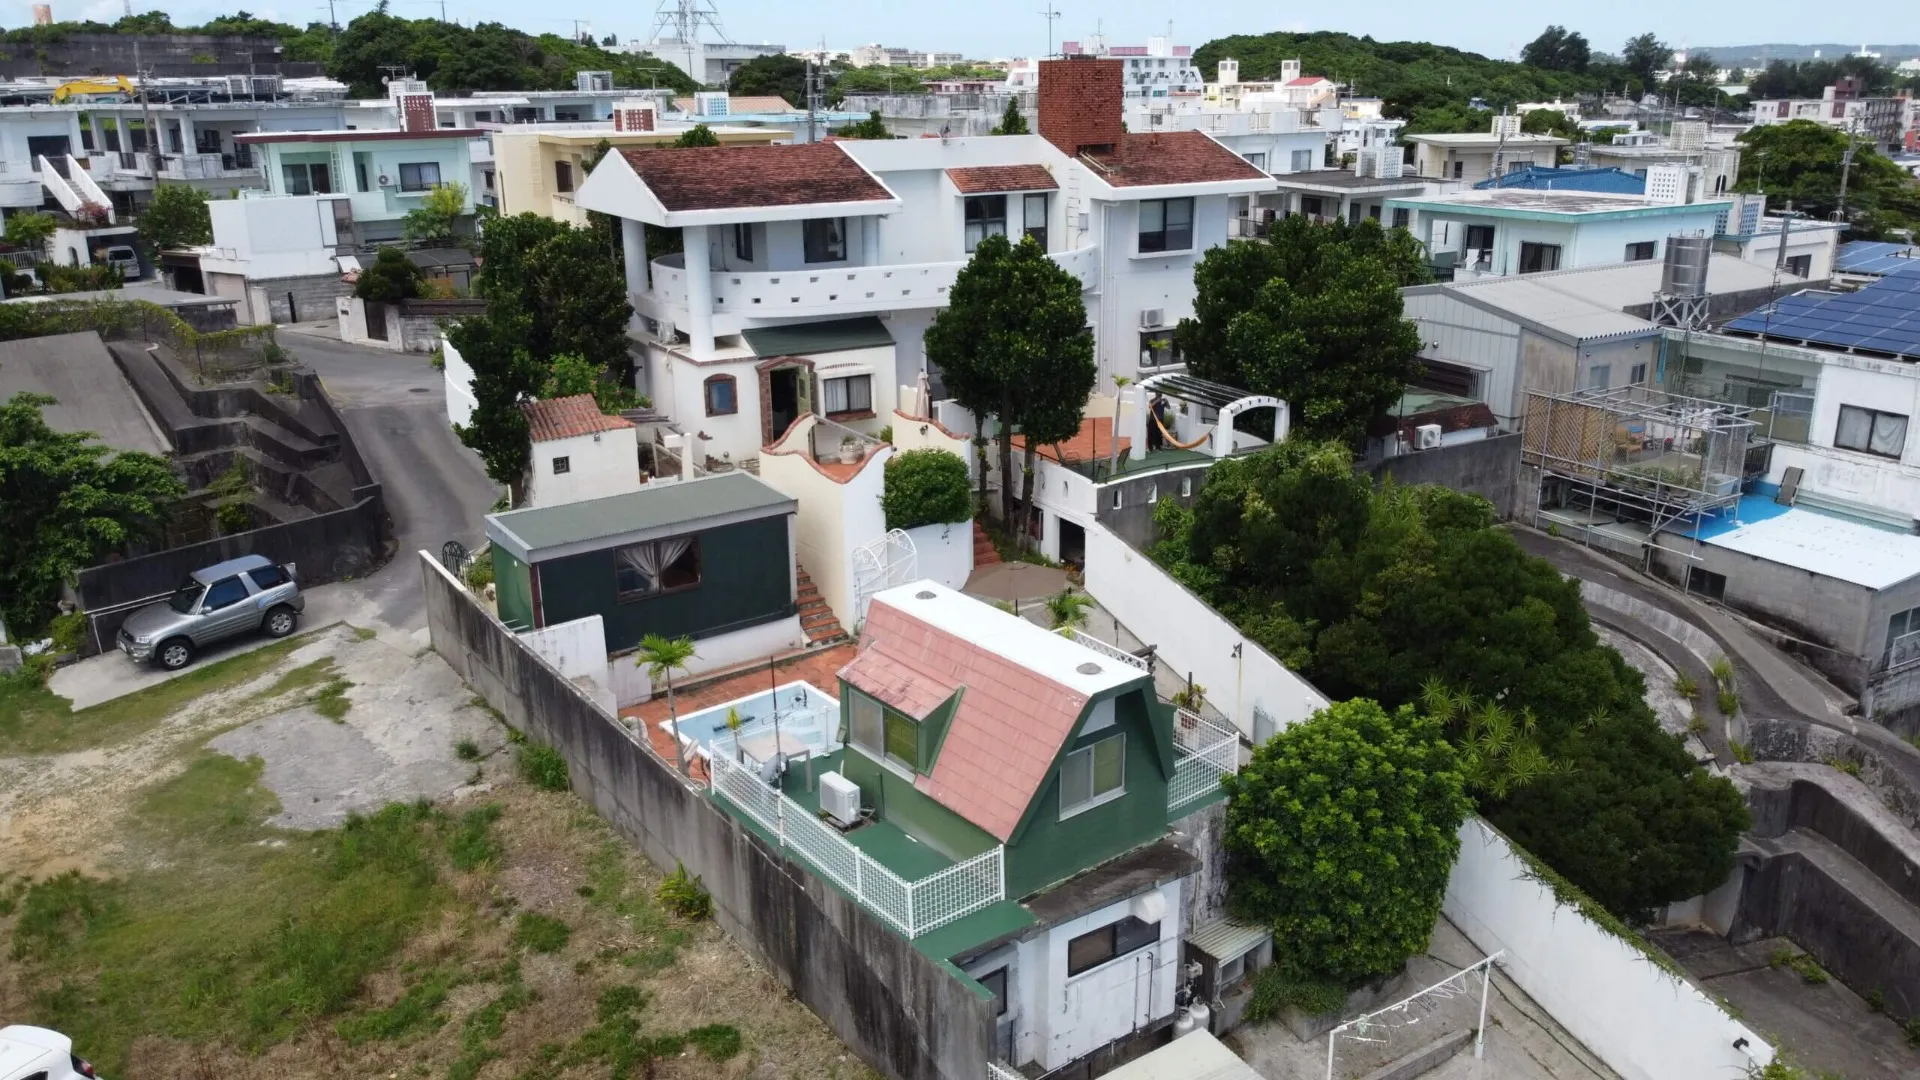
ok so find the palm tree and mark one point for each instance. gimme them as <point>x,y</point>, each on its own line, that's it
<point>1068,609</point>
<point>661,656</point>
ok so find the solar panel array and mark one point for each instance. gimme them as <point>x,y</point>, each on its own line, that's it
<point>1876,257</point>
<point>1883,318</point>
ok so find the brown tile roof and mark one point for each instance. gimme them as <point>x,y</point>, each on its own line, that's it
<point>1006,733</point>
<point>991,178</point>
<point>564,418</point>
<point>728,177</point>
<point>1093,442</point>
<point>1170,157</point>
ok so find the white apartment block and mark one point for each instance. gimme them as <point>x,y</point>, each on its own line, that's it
<point>1157,70</point>
<point>709,63</point>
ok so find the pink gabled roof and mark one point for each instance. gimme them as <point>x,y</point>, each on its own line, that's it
<point>898,682</point>
<point>1006,733</point>
<point>1307,80</point>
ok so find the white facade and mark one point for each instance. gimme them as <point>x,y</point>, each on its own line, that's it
<point>272,238</point>
<point>709,63</point>
<point>583,467</point>
<point>1498,232</point>
<point>1473,157</point>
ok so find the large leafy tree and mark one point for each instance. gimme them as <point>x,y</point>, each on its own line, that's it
<point>1312,315</point>
<point>1013,343</point>
<point>1341,833</point>
<point>1800,163</point>
<point>1644,56</point>
<point>176,218</point>
<point>487,56</point>
<point>70,502</point>
<point>782,76</point>
<point>1558,49</point>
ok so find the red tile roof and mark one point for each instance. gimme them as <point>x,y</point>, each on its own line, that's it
<point>1006,733</point>
<point>1093,442</point>
<point>991,178</point>
<point>1310,80</point>
<point>730,177</point>
<point>1171,157</point>
<point>564,418</point>
<point>899,682</point>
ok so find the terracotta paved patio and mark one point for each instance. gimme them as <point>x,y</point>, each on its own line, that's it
<point>820,668</point>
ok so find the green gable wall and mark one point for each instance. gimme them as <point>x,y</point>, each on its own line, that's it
<point>898,802</point>
<point>1051,850</point>
<point>513,589</point>
<point>745,580</point>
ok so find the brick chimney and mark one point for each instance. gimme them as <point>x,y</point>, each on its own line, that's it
<point>1080,105</point>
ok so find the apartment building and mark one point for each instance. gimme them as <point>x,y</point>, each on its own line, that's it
<point>1158,69</point>
<point>810,273</point>
<point>1476,156</point>
<point>1880,120</point>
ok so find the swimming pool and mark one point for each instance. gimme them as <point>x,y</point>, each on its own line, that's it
<point>806,715</point>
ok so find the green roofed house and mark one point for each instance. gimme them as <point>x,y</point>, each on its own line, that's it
<point>1004,795</point>
<point>711,559</point>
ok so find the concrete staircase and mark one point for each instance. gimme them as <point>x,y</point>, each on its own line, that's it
<point>816,618</point>
<point>984,553</point>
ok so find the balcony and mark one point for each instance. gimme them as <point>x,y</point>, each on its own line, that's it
<point>136,166</point>
<point>841,290</point>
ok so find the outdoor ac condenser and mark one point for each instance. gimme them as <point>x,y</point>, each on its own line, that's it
<point>1426,437</point>
<point>840,799</point>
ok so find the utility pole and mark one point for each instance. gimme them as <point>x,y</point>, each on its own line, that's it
<point>812,131</point>
<point>146,114</point>
<point>1050,14</point>
<point>333,20</point>
<point>1846,168</point>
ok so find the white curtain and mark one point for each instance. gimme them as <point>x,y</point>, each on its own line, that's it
<point>1889,434</point>
<point>644,559</point>
<point>669,551</point>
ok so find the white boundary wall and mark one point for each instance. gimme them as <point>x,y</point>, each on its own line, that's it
<point>944,553</point>
<point>578,650</point>
<point>1237,673</point>
<point>459,379</point>
<point>1644,1022</point>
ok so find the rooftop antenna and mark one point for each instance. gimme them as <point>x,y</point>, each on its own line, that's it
<point>681,20</point>
<point>1051,14</point>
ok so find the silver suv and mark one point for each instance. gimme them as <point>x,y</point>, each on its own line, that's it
<point>235,597</point>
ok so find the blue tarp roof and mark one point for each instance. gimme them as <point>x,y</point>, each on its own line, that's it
<point>1545,178</point>
<point>1884,318</point>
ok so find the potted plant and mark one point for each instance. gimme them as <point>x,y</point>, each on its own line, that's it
<point>849,450</point>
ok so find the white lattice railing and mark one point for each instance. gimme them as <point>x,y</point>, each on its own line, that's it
<point>913,907</point>
<point>1105,649</point>
<point>997,1071</point>
<point>1203,752</point>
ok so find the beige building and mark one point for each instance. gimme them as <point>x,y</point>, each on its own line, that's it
<point>537,167</point>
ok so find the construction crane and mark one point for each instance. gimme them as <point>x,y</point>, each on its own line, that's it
<point>118,85</point>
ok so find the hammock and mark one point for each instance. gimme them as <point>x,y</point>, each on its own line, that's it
<point>1168,435</point>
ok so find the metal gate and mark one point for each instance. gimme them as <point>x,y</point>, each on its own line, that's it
<point>888,561</point>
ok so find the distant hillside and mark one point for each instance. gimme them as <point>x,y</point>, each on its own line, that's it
<point>1759,55</point>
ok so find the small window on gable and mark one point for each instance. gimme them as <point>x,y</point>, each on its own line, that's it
<point>1186,487</point>
<point>562,465</point>
<point>1116,498</point>
<point>1093,774</point>
<point>722,395</point>
<point>885,735</point>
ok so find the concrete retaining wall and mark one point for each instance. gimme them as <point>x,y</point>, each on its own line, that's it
<point>1489,468</point>
<point>901,1012</point>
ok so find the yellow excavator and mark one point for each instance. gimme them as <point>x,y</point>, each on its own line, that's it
<point>117,85</point>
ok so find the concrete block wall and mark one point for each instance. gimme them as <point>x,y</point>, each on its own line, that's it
<point>300,299</point>
<point>900,1011</point>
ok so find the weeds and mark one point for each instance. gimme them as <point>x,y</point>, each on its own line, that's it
<point>1800,963</point>
<point>331,702</point>
<point>544,768</point>
<point>1685,686</point>
<point>684,895</point>
<point>1697,725</point>
<point>1722,669</point>
<point>1877,1000</point>
<point>482,1029</point>
<point>1729,703</point>
<point>56,909</point>
<point>471,845</point>
<point>540,933</point>
<point>1741,753</point>
<point>466,750</point>
<point>1845,765</point>
<point>1273,991</point>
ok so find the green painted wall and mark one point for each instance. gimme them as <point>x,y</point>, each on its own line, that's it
<point>900,803</point>
<point>513,588</point>
<point>744,581</point>
<point>1052,850</point>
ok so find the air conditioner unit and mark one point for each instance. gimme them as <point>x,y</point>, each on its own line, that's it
<point>385,180</point>
<point>1151,318</point>
<point>1426,437</point>
<point>840,799</point>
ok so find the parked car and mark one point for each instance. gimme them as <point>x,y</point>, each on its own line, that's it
<point>239,596</point>
<point>33,1053</point>
<point>124,257</point>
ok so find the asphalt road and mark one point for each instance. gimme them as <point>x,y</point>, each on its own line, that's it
<point>395,407</point>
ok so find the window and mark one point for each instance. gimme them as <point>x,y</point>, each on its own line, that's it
<point>562,465</point>
<point>1258,161</point>
<point>1599,376</point>
<point>1110,942</point>
<point>1156,347</point>
<point>489,179</point>
<point>420,176</point>
<point>853,394</point>
<point>884,733</point>
<point>1310,205</point>
<point>1034,218</point>
<point>996,983</point>
<point>1459,169</point>
<point>268,577</point>
<point>743,242</point>
<point>1153,493</point>
<point>825,239</point>
<point>1186,487</point>
<point>1093,774</point>
<point>1871,431</point>
<point>307,179</point>
<point>563,176</point>
<point>1116,498</point>
<point>721,397</point>
<point>225,593</point>
<point>359,174</point>
<point>1706,583</point>
<point>1800,265</point>
<point>986,216</point>
<point>1166,225</point>
<point>1538,258</point>
<point>656,566</point>
<point>1373,212</point>
<point>1480,238</point>
<point>1903,637</point>
<point>1641,251</point>
<point>1302,161</point>
<point>1402,217</point>
<point>1637,374</point>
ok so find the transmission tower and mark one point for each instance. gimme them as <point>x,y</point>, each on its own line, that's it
<point>680,21</point>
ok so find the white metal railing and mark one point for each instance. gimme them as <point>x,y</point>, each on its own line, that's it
<point>912,907</point>
<point>1106,649</point>
<point>769,293</point>
<point>997,1071</point>
<point>1203,752</point>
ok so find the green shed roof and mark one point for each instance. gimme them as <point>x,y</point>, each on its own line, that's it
<point>805,339</point>
<point>660,509</point>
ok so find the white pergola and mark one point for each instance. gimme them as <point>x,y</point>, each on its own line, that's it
<point>1187,427</point>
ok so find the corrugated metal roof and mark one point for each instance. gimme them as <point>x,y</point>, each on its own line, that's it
<point>655,506</point>
<point>1589,303</point>
<point>807,339</point>
<point>1224,939</point>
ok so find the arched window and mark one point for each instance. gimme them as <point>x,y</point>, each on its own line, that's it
<point>723,395</point>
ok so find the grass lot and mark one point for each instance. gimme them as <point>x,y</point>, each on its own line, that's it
<point>504,935</point>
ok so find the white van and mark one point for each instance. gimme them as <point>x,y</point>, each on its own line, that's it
<point>124,257</point>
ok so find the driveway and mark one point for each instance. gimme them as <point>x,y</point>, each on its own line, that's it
<point>395,407</point>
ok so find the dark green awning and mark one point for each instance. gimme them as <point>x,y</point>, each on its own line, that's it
<point>809,339</point>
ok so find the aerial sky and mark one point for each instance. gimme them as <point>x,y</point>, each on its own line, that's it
<point>1003,28</point>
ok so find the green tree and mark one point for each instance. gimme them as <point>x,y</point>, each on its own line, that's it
<point>1798,164</point>
<point>876,80</point>
<point>871,128</point>
<point>31,230</point>
<point>778,76</point>
<point>1341,833</point>
<point>1013,343</point>
<point>1557,49</point>
<point>1011,121</point>
<point>1644,57</point>
<point>1550,122</point>
<point>73,501</point>
<point>1311,315</point>
<point>697,135</point>
<point>570,373</point>
<point>176,218</point>
<point>662,656</point>
<point>927,486</point>
<point>392,278</point>
<point>440,210</point>
<point>1067,610</point>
